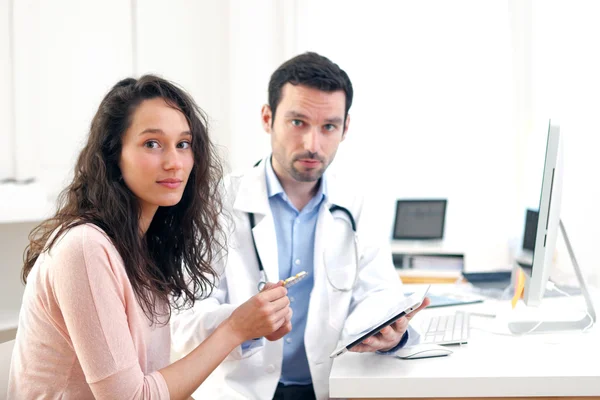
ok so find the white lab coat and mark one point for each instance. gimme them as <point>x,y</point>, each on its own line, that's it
<point>331,313</point>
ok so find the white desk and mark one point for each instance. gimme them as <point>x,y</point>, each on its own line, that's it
<point>490,365</point>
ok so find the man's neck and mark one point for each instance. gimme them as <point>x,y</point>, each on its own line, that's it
<point>299,193</point>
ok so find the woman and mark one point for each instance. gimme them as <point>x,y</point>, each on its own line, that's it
<point>136,231</point>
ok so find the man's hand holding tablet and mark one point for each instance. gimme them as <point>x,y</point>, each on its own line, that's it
<point>389,337</point>
<point>388,333</point>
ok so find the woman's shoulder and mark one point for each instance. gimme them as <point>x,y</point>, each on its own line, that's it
<point>81,240</point>
<point>86,234</point>
<point>82,252</point>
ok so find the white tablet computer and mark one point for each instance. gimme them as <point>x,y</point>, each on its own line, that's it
<point>406,305</point>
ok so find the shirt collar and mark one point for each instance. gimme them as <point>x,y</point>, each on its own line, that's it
<point>273,185</point>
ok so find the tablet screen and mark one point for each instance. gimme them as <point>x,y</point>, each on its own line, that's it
<point>407,304</point>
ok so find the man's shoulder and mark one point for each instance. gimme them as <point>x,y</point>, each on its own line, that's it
<point>245,180</point>
<point>233,180</point>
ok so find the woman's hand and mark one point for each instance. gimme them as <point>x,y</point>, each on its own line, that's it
<point>287,325</point>
<point>264,314</point>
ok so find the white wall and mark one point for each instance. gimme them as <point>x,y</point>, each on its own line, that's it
<point>63,71</point>
<point>566,87</point>
<point>6,104</point>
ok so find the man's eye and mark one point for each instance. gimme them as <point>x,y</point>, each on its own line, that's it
<point>329,127</point>
<point>296,122</point>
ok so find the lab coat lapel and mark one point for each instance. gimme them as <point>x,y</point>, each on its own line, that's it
<point>318,310</point>
<point>325,224</point>
<point>252,197</point>
<point>266,243</point>
<point>324,221</point>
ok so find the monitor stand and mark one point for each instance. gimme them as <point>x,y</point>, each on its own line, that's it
<point>522,327</point>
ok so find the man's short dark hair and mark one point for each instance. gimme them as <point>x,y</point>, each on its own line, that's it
<point>312,70</point>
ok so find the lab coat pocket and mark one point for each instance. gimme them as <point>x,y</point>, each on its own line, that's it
<point>339,288</point>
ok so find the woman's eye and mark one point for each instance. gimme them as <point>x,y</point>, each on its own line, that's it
<point>151,144</point>
<point>184,145</point>
<point>296,122</point>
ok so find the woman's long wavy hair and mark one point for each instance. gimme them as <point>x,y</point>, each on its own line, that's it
<point>172,262</point>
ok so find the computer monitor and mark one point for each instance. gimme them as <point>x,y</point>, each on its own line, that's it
<point>548,225</point>
<point>548,220</point>
<point>420,219</point>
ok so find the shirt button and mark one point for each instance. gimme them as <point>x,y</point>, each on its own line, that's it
<point>270,368</point>
<point>288,340</point>
<point>297,262</point>
<point>292,299</point>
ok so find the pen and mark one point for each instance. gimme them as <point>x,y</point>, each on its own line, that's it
<point>292,280</point>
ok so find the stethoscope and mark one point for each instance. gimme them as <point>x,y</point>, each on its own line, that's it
<point>263,275</point>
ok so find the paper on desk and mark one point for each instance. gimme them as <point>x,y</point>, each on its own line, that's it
<point>519,286</point>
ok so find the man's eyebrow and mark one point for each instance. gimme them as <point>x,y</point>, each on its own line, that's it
<point>295,114</point>
<point>334,120</point>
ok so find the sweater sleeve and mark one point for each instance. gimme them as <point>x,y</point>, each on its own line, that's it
<point>88,284</point>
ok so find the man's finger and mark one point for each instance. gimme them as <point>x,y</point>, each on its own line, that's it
<point>424,304</point>
<point>376,343</point>
<point>388,333</point>
<point>400,325</point>
<point>363,348</point>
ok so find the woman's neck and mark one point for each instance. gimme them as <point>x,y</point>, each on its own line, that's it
<point>146,215</point>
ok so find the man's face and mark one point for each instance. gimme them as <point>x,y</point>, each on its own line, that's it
<point>306,132</point>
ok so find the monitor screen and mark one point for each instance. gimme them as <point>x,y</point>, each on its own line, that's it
<point>419,219</point>
<point>531,221</point>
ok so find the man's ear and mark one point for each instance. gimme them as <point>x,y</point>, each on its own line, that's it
<point>266,118</point>
<point>346,125</point>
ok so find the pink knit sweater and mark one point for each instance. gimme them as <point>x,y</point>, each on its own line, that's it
<point>82,333</point>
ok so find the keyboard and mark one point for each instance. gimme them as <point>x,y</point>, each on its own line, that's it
<point>446,329</point>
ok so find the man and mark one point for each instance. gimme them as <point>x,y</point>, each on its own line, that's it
<point>290,216</point>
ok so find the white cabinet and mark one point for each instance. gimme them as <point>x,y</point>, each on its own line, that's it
<point>13,240</point>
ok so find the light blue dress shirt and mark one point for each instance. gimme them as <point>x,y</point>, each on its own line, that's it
<point>295,231</point>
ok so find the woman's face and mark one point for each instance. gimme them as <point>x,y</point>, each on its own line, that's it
<point>156,157</point>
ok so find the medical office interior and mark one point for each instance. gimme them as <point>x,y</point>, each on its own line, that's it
<point>452,101</point>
